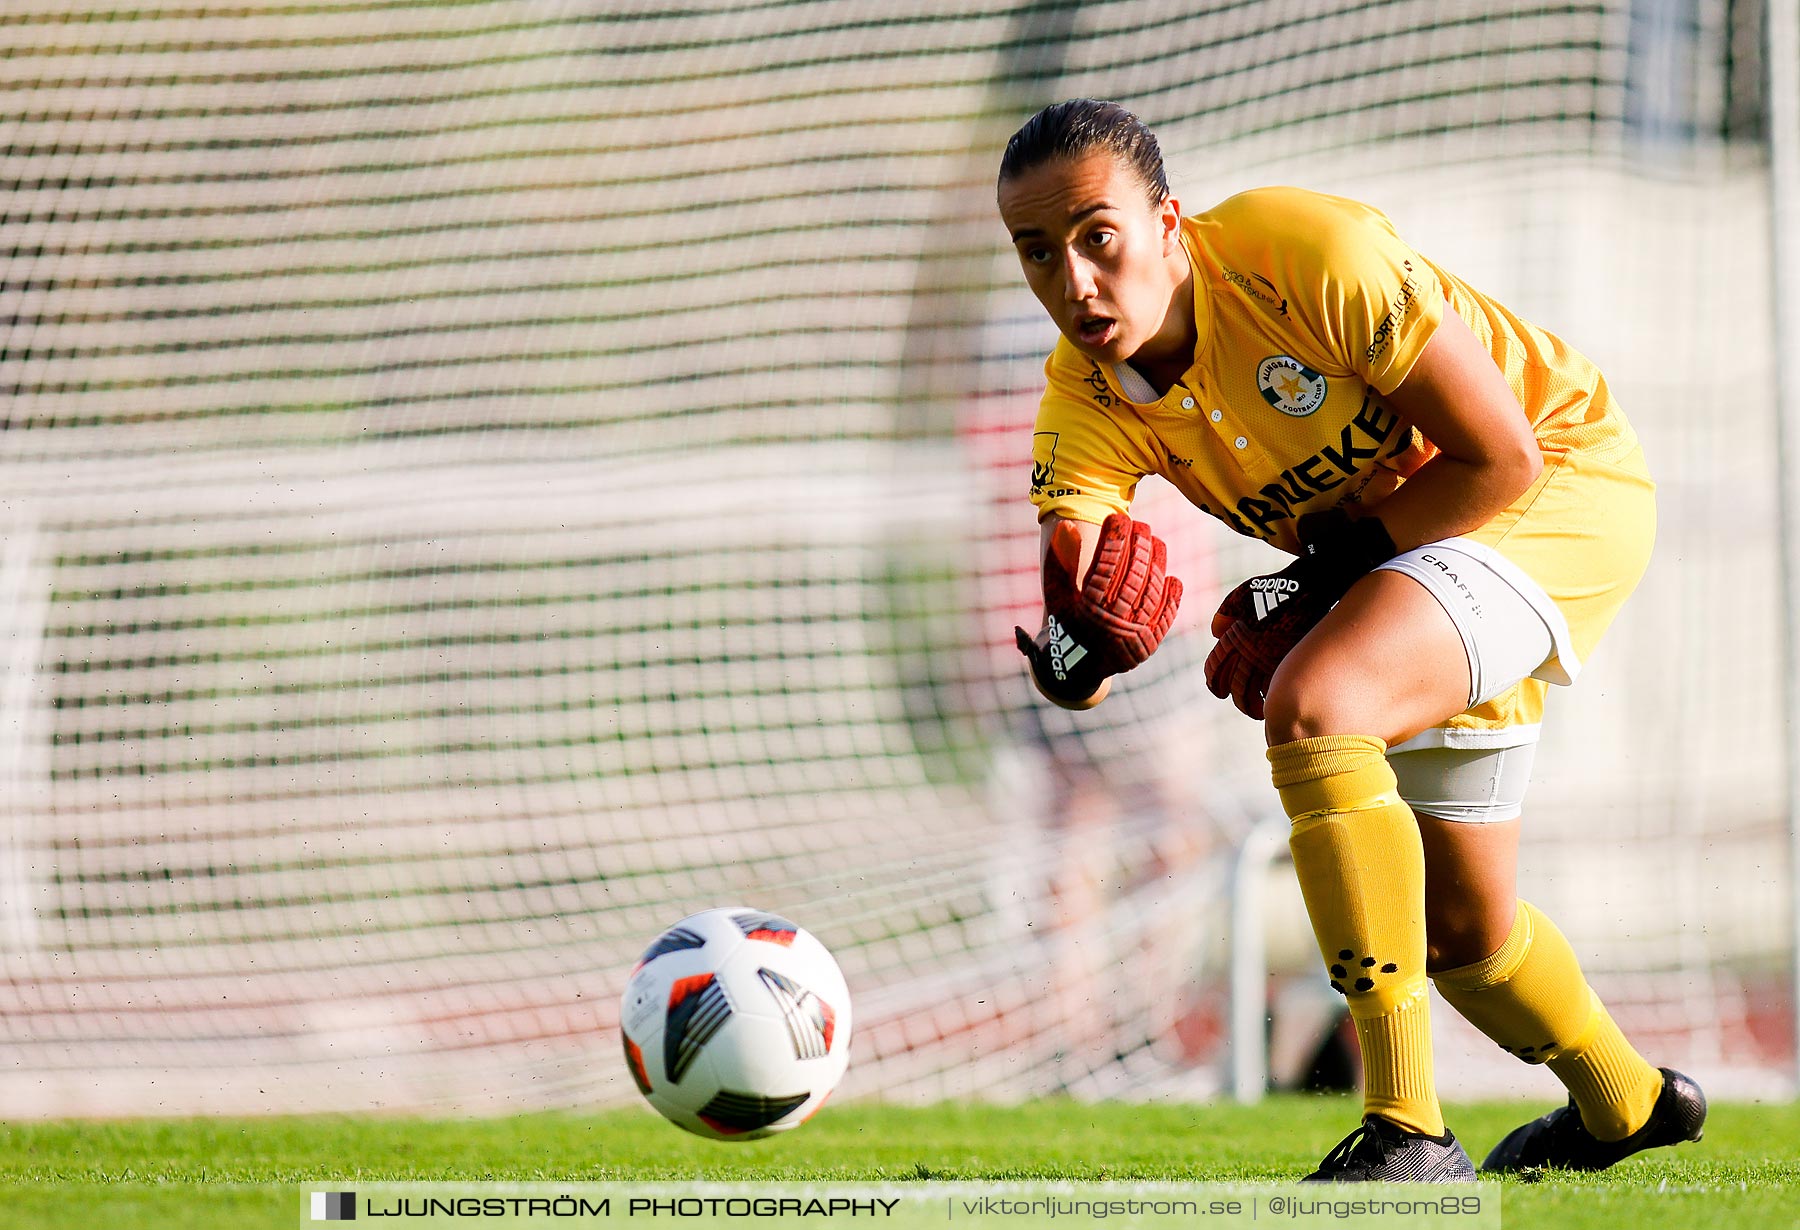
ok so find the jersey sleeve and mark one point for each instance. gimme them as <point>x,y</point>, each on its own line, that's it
<point>1079,462</point>
<point>1368,299</point>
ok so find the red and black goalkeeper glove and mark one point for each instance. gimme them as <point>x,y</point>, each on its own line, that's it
<point>1264,618</point>
<point>1113,621</point>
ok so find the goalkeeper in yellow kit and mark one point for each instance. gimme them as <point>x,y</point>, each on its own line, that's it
<point>1469,510</point>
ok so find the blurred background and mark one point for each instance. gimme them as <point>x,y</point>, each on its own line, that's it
<point>483,479</point>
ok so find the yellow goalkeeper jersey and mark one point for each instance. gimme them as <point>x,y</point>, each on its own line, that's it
<point>1309,309</point>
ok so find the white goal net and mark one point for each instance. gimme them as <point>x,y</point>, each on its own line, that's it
<point>485,478</point>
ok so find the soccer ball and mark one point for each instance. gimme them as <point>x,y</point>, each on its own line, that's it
<point>736,1024</point>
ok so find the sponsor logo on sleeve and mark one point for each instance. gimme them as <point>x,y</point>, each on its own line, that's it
<point>1043,460</point>
<point>1043,467</point>
<point>1260,289</point>
<point>1384,332</point>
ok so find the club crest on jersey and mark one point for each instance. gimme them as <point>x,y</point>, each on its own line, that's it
<point>1289,385</point>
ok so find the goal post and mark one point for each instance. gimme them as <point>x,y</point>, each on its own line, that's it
<point>1782,31</point>
<point>483,480</point>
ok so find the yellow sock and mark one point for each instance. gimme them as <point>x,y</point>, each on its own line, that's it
<point>1361,869</point>
<point>1531,998</point>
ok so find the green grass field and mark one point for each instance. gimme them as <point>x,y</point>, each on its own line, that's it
<point>239,1173</point>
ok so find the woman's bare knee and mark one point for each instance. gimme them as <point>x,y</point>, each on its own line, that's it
<point>1309,698</point>
<point>1455,937</point>
<point>1470,889</point>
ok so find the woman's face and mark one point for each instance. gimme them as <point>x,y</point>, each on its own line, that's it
<point>1095,252</point>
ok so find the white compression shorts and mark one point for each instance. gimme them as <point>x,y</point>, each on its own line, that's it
<point>1504,622</point>
<point>1509,626</point>
<point>1471,785</point>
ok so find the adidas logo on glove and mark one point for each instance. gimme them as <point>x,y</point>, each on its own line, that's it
<point>1064,652</point>
<point>1270,592</point>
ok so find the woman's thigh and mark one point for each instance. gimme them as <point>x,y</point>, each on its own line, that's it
<point>1387,661</point>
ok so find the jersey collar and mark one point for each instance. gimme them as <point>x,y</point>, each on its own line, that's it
<point>1125,379</point>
